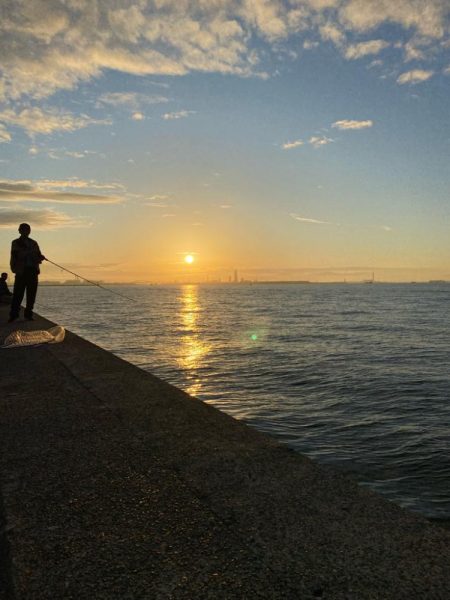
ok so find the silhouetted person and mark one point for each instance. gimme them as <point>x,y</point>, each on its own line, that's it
<point>25,260</point>
<point>5,294</point>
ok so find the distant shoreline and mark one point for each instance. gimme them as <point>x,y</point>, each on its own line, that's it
<point>241,283</point>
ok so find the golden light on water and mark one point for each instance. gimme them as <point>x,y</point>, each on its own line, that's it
<point>192,349</point>
<point>189,259</point>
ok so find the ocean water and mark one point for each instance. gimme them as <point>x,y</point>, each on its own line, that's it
<point>357,376</point>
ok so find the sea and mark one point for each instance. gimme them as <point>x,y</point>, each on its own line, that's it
<point>352,375</point>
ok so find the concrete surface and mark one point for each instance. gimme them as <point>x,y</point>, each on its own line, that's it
<point>115,484</point>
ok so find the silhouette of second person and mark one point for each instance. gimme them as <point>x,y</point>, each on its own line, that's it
<point>5,294</point>
<point>25,260</point>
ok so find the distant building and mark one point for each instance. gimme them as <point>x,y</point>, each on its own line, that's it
<point>236,276</point>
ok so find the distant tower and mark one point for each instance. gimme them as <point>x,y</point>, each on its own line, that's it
<point>235,276</point>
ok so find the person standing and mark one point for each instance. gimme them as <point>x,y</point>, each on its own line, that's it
<point>25,260</point>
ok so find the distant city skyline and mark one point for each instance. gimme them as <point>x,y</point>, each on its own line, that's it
<point>294,139</point>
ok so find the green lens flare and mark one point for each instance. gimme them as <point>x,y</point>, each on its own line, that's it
<point>254,337</point>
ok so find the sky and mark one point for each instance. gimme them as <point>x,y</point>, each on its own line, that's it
<point>294,139</point>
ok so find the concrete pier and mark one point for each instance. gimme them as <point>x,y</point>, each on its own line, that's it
<point>117,485</point>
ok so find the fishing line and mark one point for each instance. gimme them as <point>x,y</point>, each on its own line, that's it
<point>91,282</point>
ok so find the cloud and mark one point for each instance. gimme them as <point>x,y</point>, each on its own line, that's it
<point>350,124</point>
<point>333,33</point>
<point>157,197</point>
<point>446,71</point>
<point>157,201</point>
<point>62,153</point>
<point>5,136</point>
<point>310,45</point>
<point>28,191</point>
<point>294,144</point>
<point>132,100</point>
<point>45,218</point>
<point>77,154</point>
<point>307,220</point>
<point>78,183</point>
<point>38,121</point>
<point>48,45</point>
<point>52,45</point>
<point>137,116</point>
<point>413,52</point>
<point>427,17</point>
<point>386,228</point>
<point>319,140</point>
<point>181,114</point>
<point>414,76</point>
<point>356,51</point>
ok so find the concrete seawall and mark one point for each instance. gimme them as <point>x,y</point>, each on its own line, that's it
<point>115,484</point>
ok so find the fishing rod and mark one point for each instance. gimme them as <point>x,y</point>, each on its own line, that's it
<point>91,282</point>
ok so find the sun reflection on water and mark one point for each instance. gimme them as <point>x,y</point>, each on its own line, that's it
<point>192,349</point>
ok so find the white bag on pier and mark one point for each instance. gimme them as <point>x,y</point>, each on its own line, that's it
<point>20,338</point>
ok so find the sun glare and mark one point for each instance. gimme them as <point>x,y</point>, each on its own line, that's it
<point>189,259</point>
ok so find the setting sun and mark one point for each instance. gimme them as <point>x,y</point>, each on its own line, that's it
<point>189,259</point>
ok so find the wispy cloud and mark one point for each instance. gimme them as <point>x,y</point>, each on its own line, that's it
<point>28,191</point>
<point>414,76</point>
<point>291,145</point>
<point>157,197</point>
<point>45,218</point>
<point>38,121</point>
<point>308,220</point>
<point>137,116</point>
<point>355,51</point>
<point>132,100</point>
<point>5,136</point>
<point>157,201</point>
<point>78,183</point>
<point>156,204</point>
<point>351,124</point>
<point>317,141</point>
<point>181,114</point>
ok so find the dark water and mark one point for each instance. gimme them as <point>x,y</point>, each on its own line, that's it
<point>353,375</point>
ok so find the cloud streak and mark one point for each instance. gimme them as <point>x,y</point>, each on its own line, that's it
<point>351,124</point>
<point>297,217</point>
<point>27,191</point>
<point>45,218</point>
<point>291,145</point>
<point>318,141</point>
<point>132,100</point>
<point>181,114</point>
<point>45,122</point>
